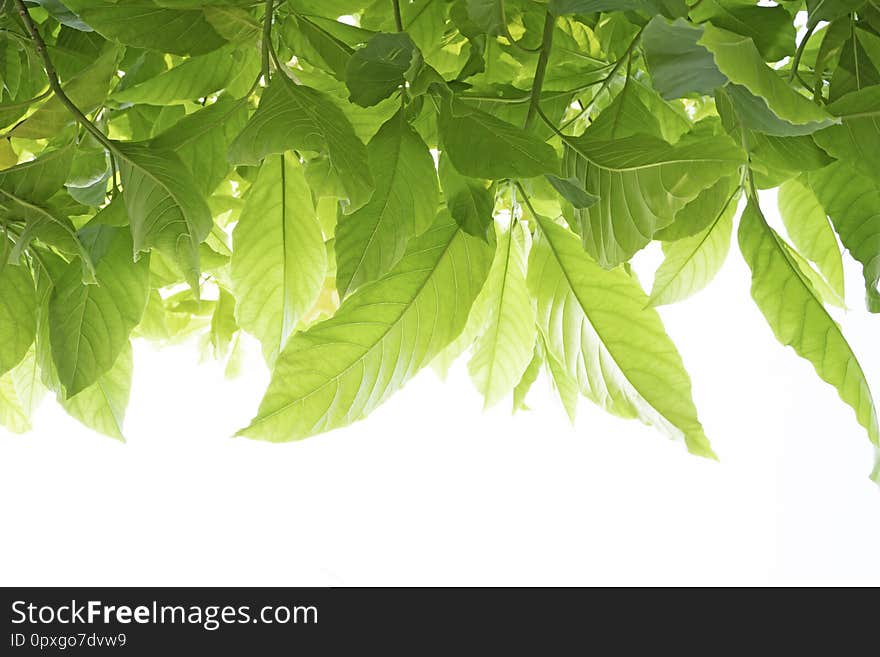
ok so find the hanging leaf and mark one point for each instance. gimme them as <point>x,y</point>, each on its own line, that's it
<point>597,325</point>
<point>279,260</point>
<point>371,240</point>
<point>798,318</point>
<point>342,368</point>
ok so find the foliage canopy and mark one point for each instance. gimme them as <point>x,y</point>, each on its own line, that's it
<point>370,187</point>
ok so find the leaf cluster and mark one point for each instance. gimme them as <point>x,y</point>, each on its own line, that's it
<point>369,187</point>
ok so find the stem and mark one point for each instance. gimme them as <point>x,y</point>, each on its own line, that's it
<point>617,66</point>
<point>800,53</point>
<point>541,68</point>
<point>526,199</point>
<point>54,83</point>
<point>398,19</point>
<point>267,37</point>
<point>29,101</point>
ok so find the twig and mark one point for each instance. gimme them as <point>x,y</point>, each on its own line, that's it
<point>267,37</point>
<point>27,102</point>
<point>541,68</point>
<point>54,82</point>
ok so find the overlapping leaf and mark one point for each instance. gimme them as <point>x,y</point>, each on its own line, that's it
<point>598,326</point>
<point>342,368</point>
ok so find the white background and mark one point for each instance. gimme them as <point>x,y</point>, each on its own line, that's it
<point>429,490</point>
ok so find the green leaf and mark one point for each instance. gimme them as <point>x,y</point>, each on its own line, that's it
<point>279,260</point>
<point>572,190</point>
<point>691,263</point>
<point>165,208</point>
<point>529,376</point>
<point>202,139</point>
<point>755,114</point>
<point>146,24</point>
<point>799,320</point>
<point>857,140</point>
<point>340,369</point>
<point>851,200</point>
<point>741,63</point>
<point>770,28</point>
<point>233,69</point>
<point>696,216</point>
<point>378,69</point>
<point>18,311</point>
<point>371,240</point>
<point>564,383</point>
<point>40,178</point>
<point>317,45</point>
<point>598,326</point>
<point>47,224</point>
<point>638,110</point>
<point>292,116</point>
<point>20,393</point>
<point>12,413</point>
<point>102,405</point>
<point>471,201</point>
<point>678,64</point>
<point>87,90</point>
<point>89,325</point>
<point>482,146</point>
<point>507,339</point>
<point>810,231</point>
<point>642,183</point>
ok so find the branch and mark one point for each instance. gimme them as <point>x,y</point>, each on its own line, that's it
<point>54,83</point>
<point>800,53</point>
<point>541,68</point>
<point>398,19</point>
<point>267,37</point>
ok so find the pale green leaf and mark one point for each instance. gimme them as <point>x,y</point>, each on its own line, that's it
<point>739,60</point>
<point>598,326</point>
<point>810,231</point>
<point>279,259</point>
<point>102,405</point>
<point>340,369</point>
<point>18,310</point>
<point>642,182</point>
<point>852,200</point>
<point>528,378</point>
<point>691,263</point>
<point>799,320</point>
<point>507,338</point>
<point>89,325</point>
